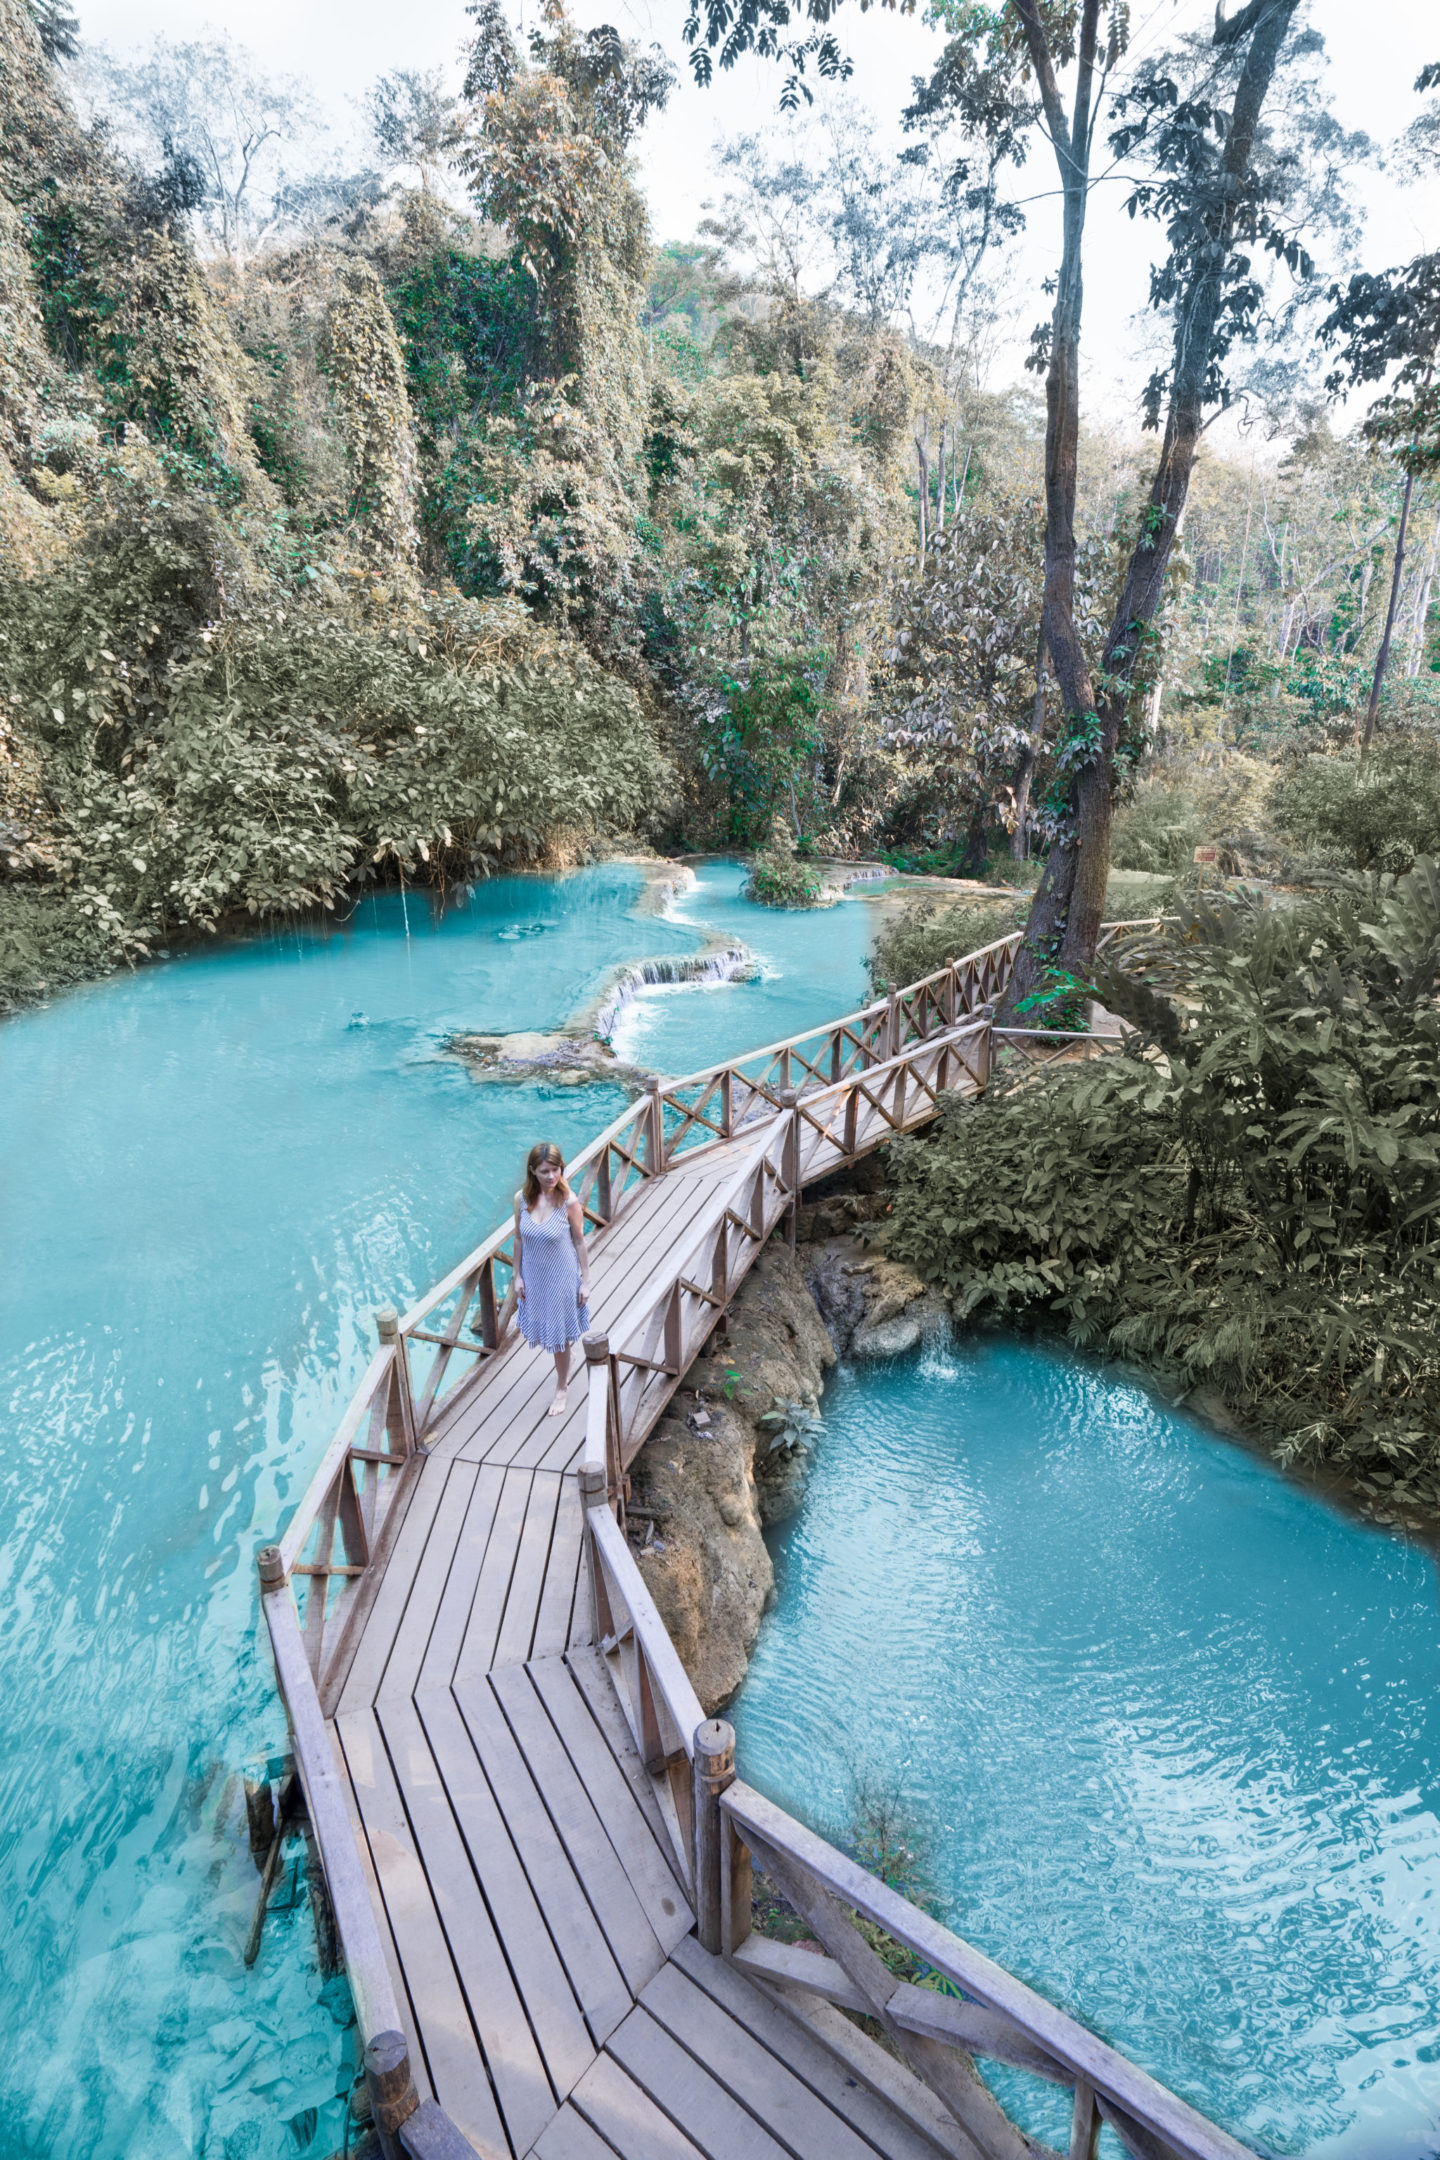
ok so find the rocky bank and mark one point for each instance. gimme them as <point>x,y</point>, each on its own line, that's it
<point>734,1453</point>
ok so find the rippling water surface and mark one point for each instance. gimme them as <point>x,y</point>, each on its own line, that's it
<point>1168,1729</point>
<point>211,1172</point>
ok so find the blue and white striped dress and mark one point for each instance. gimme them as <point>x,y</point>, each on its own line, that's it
<point>550,1314</point>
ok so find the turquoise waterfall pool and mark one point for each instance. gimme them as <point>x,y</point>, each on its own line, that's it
<point>211,1172</point>
<point>1165,1727</point>
<point>1168,1721</point>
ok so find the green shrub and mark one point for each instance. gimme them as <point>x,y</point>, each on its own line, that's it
<point>211,750</point>
<point>1158,830</point>
<point>45,945</point>
<point>920,940</point>
<point>780,878</point>
<point>1378,813</point>
<point>1132,895</point>
<point>1250,1197</point>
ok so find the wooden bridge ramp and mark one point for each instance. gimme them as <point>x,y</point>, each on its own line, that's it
<point>536,1847</point>
<point>519,1858</point>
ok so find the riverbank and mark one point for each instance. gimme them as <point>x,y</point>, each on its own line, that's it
<point>733,1458</point>
<point>53,940</point>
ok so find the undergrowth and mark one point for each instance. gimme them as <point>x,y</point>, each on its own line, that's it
<point>1249,1196</point>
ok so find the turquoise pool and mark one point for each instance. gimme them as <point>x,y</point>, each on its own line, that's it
<point>1166,1726</point>
<point>211,1172</point>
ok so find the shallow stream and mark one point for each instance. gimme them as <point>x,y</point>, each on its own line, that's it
<point>211,1173</point>
<point>1163,1729</point>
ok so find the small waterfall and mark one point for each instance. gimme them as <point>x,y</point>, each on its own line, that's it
<point>731,965</point>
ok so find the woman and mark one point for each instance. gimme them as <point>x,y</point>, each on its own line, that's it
<point>552,1267</point>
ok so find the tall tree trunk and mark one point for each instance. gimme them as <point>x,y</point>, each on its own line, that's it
<point>1422,605</point>
<point>922,452</point>
<point>1050,910</point>
<point>1382,658</point>
<point>1029,758</point>
<point>1069,905</point>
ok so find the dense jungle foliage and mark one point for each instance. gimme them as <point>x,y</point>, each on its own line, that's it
<point>408,521</point>
<point>1248,1197</point>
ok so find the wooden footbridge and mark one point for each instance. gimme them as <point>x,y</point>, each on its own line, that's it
<point>536,1848</point>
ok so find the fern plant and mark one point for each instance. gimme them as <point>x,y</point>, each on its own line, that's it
<point>1250,1196</point>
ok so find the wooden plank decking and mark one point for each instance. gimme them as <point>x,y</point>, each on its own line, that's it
<point>528,1827</point>
<point>530,1898</point>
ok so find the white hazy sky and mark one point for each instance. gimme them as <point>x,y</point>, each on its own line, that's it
<point>1376,47</point>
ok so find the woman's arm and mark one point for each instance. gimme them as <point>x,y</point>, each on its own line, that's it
<point>575,1215</point>
<point>518,1284</point>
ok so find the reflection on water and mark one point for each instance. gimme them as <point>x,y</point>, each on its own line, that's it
<point>1168,1727</point>
<point>210,1174</point>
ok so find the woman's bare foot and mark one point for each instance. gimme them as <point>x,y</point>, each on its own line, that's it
<point>557,1408</point>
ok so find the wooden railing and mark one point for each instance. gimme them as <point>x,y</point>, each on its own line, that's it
<point>721,1828</point>
<point>808,1136</point>
<point>883,1056</point>
<point>799,1108</point>
<point>978,2009</point>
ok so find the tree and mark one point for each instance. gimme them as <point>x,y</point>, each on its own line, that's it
<point>206,103</point>
<point>1392,320</point>
<point>59,29</point>
<point>1197,124</point>
<point>549,164</point>
<point>415,123</point>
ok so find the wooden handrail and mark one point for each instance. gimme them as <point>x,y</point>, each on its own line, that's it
<point>872,1011</point>
<point>376,2009</point>
<point>888,1056</point>
<point>826,1886</point>
<point>649,1630</point>
<point>330,1463</point>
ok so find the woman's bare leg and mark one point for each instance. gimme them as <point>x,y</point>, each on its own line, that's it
<point>562,1375</point>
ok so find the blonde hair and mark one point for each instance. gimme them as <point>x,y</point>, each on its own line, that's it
<point>544,1151</point>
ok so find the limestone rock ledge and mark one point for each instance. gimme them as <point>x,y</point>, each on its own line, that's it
<point>734,1455</point>
<point>710,1478</point>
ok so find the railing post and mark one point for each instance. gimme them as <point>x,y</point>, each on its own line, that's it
<point>655,1140</point>
<point>387,1327</point>
<point>489,1310</point>
<point>893,1023</point>
<point>594,1471</point>
<point>600,1466</point>
<point>1084,2122</point>
<point>727,1103</point>
<point>712,1769</point>
<point>393,2098</point>
<point>985,1045</point>
<point>790,1104</point>
<point>952,994</point>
